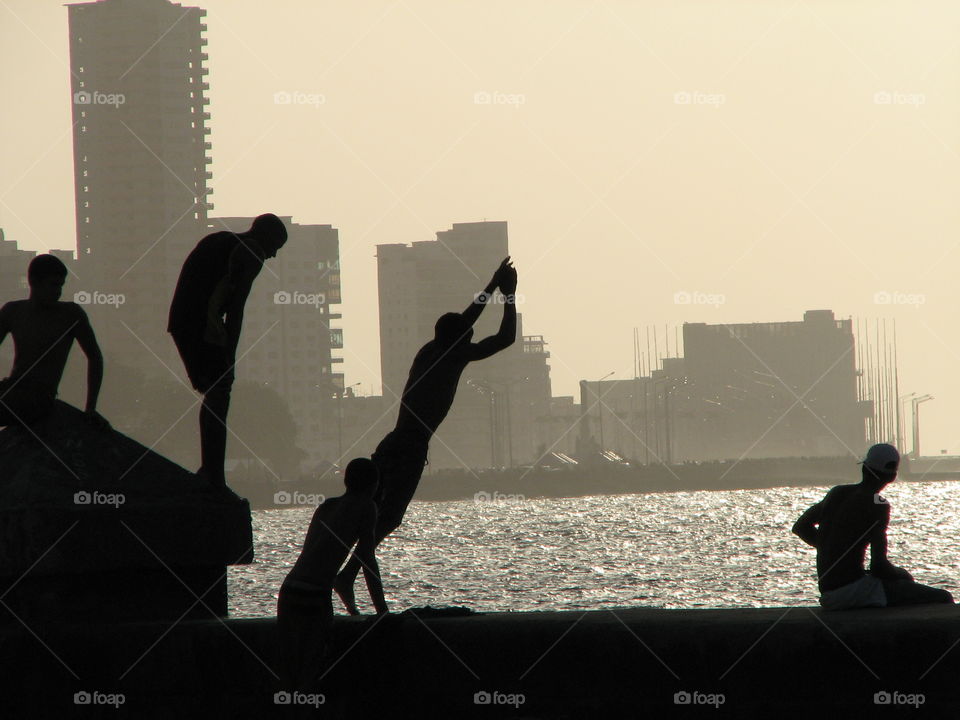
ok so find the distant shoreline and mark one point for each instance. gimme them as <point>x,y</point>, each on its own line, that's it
<point>529,483</point>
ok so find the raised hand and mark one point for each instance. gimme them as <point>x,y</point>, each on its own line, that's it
<point>508,280</point>
<point>498,275</point>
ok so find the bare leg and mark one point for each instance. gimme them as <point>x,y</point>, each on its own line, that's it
<point>213,433</point>
<point>907,592</point>
<point>304,623</point>
<point>343,586</point>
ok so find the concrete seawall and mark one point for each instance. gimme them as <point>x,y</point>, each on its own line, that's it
<point>751,663</point>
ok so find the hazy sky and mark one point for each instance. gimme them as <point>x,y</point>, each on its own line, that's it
<point>780,156</point>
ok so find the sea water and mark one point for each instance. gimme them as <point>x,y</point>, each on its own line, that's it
<point>668,550</point>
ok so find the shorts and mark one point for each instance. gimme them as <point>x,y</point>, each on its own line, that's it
<point>301,599</point>
<point>865,592</point>
<point>304,622</point>
<point>207,365</point>
<point>400,458</point>
<point>23,402</point>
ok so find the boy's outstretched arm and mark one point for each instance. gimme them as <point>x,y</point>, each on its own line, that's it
<point>88,343</point>
<point>481,298</point>
<point>366,553</point>
<point>806,525</point>
<point>507,333</point>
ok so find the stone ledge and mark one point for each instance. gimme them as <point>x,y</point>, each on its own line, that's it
<point>767,663</point>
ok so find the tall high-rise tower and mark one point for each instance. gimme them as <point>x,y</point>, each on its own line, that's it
<point>140,162</point>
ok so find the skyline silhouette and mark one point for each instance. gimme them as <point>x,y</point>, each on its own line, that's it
<point>729,249</point>
<point>736,226</point>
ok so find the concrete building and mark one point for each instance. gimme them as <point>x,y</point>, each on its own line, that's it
<point>634,418</point>
<point>360,424</point>
<point>290,331</point>
<point>752,390</point>
<point>558,430</point>
<point>771,389</point>
<point>492,422</point>
<point>138,94</point>
<point>13,270</point>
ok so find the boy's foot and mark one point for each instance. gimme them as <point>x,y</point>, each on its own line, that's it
<point>206,476</point>
<point>345,593</point>
<point>224,493</point>
<point>218,484</point>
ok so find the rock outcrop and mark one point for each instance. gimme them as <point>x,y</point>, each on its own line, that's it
<point>94,525</point>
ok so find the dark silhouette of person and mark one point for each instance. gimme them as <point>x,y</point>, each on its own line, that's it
<point>206,317</point>
<point>43,329</point>
<point>840,527</point>
<point>304,607</point>
<point>425,402</point>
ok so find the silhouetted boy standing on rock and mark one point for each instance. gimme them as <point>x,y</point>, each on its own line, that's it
<point>841,526</point>
<point>206,316</point>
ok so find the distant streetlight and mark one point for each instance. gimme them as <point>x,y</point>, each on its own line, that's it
<point>507,384</point>
<point>596,393</point>
<point>339,394</point>
<point>916,423</point>
<point>900,423</point>
<point>483,388</point>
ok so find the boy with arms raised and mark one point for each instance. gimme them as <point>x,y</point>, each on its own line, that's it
<point>427,398</point>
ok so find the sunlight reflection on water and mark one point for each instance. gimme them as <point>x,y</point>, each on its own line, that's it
<point>671,550</point>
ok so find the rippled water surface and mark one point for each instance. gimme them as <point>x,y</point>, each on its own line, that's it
<point>671,550</point>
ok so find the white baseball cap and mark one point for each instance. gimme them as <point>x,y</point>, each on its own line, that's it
<point>882,457</point>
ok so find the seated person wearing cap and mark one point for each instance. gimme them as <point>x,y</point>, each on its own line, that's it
<point>840,527</point>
